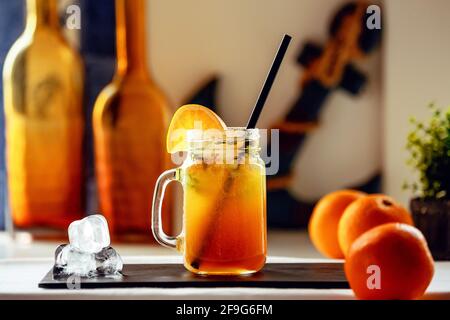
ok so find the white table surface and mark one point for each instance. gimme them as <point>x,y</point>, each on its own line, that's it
<point>23,265</point>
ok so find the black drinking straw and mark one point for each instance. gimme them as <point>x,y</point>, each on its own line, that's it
<point>269,82</point>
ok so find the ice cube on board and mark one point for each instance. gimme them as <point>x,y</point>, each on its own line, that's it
<point>108,262</point>
<point>70,261</point>
<point>90,234</point>
<point>89,253</point>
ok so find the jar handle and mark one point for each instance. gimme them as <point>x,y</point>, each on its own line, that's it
<point>164,179</point>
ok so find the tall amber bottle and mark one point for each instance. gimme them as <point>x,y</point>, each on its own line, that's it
<point>129,121</point>
<point>43,81</point>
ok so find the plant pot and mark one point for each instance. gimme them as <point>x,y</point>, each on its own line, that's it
<point>432,217</point>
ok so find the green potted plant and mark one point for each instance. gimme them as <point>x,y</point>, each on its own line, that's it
<point>429,149</point>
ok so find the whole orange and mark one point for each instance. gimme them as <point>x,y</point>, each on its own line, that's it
<point>366,213</point>
<point>324,220</point>
<point>391,261</point>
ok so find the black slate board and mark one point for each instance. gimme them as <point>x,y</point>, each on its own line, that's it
<point>274,275</point>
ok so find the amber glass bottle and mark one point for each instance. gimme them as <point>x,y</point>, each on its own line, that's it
<point>43,81</point>
<point>129,121</point>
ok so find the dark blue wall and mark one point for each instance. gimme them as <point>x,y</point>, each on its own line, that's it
<point>97,40</point>
<point>11,26</point>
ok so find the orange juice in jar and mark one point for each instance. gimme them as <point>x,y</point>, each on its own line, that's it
<point>223,177</point>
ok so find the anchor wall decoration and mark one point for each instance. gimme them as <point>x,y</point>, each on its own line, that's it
<point>327,69</point>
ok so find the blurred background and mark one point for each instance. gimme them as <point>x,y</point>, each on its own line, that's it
<point>360,138</point>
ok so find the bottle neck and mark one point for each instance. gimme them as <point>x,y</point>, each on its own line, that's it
<point>42,14</point>
<point>131,38</point>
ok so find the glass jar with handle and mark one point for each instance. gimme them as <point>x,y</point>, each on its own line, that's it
<point>224,224</point>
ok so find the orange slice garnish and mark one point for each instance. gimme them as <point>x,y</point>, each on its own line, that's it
<point>190,117</point>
